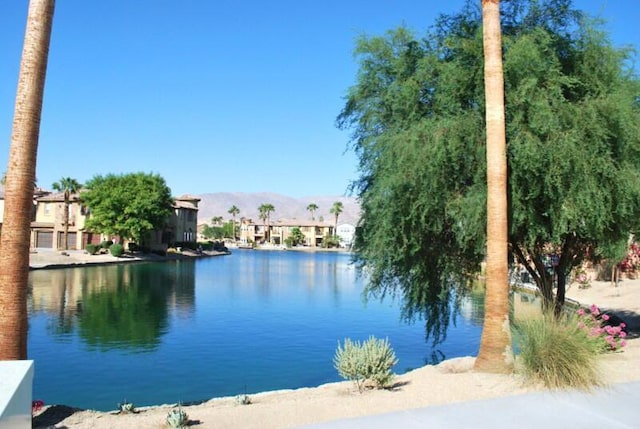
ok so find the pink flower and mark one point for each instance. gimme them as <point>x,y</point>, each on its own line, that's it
<point>581,312</point>
<point>623,343</point>
<point>605,317</point>
<point>622,334</point>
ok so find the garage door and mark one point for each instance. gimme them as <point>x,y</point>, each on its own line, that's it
<point>44,239</point>
<point>71,236</point>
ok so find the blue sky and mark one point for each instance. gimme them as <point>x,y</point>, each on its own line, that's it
<point>215,96</point>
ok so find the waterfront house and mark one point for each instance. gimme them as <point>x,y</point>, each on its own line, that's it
<point>47,227</point>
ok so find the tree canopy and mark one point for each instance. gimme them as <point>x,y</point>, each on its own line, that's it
<point>128,205</point>
<point>417,116</point>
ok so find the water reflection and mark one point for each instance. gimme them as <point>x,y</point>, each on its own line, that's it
<point>114,306</point>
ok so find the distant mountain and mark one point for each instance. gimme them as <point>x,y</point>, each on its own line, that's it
<point>219,203</point>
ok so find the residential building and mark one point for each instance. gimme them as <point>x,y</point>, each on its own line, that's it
<point>313,231</point>
<point>47,227</point>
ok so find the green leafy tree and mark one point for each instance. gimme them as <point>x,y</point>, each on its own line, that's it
<point>234,211</point>
<point>264,212</point>
<point>216,220</point>
<point>335,210</point>
<point>295,238</point>
<point>128,206</point>
<point>312,209</point>
<point>67,186</point>
<point>417,116</point>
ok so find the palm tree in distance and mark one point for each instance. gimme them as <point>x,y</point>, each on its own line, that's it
<point>336,209</point>
<point>495,353</point>
<point>233,211</point>
<point>20,181</point>
<point>312,208</point>
<point>265,212</point>
<point>216,220</point>
<point>68,186</point>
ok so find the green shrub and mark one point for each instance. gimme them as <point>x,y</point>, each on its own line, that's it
<point>116,250</point>
<point>369,362</point>
<point>91,249</point>
<point>557,352</point>
<point>106,244</point>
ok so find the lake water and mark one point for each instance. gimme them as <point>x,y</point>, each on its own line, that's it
<point>182,331</point>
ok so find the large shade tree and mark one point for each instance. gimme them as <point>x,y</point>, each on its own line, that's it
<point>20,180</point>
<point>128,206</point>
<point>417,116</point>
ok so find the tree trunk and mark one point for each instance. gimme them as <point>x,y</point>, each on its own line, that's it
<point>66,220</point>
<point>20,181</point>
<point>495,353</point>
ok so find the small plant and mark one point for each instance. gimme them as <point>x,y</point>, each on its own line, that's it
<point>557,352</point>
<point>243,399</point>
<point>116,250</point>
<point>126,407</point>
<point>583,280</point>
<point>597,326</point>
<point>91,249</point>
<point>177,418</point>
<point>106,244</point>
<point>36,406</point>
<point>370,361</point>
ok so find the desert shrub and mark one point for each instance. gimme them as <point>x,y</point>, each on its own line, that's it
<point>116,250</point>
<point>558,352</point>
<point>126,407</point>
<point>370,361</point>
<point>91,249</point>
<point>177,418</point>
<point>106,244</point>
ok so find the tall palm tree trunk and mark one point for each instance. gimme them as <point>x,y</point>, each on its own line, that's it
<point>495,345</point>
<point>20,181</point>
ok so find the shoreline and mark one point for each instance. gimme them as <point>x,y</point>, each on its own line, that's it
<point>450,381</point>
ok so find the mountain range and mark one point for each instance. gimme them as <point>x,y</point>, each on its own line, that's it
<point>289,208</point>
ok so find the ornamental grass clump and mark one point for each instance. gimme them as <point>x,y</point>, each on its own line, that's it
<point>366,363</point>
<point>557,352</point>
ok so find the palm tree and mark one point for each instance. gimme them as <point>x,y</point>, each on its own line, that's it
<point>336,209</point>
<point>233,211</point>
<point>495,344</point>
<point>216,220</point>
<point>312,208</point>
<point>68,186</point>
<point>265,211</point>
<point>20,181</point>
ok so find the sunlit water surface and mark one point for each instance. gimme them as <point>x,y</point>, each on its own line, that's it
<point>182,331</point>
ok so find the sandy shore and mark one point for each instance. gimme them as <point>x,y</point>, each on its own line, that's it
<point>449,382</point>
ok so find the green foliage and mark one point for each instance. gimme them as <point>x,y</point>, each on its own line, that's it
<point>370,361</point>
<point>128,205</point>
<point>329,241</point>
<point>558,353</point>
<point>116,250</point>
<point>91,249</point>
<point>417,117</point>
<point>106,244</point>
<point>177,418</point>
<point>296,237</point>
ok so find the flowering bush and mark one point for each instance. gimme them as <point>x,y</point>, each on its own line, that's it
<point>632,261</point>
<point>595,324</point>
